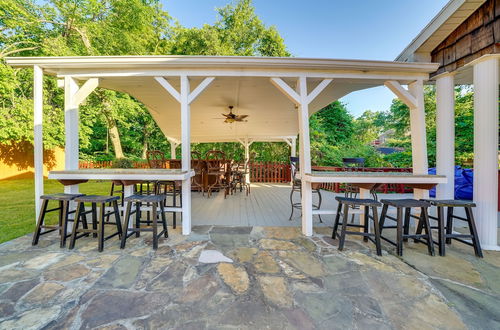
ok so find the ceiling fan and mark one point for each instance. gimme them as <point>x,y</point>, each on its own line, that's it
<point>231,117</point>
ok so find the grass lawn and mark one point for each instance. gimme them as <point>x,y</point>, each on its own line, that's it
<point>17,204</point>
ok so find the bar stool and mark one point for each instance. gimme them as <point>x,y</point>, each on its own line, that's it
<point>174,189</point>
<point>445,232</point>
<point>97,222</point>
<point>63,209</point>
<point>403,226</point>
<point>154,200</point>
<point>357,202</point>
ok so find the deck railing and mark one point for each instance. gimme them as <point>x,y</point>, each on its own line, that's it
<point>270,172</point>
<point>386,188</point>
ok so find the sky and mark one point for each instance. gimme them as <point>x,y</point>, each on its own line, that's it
<point>343,29</point>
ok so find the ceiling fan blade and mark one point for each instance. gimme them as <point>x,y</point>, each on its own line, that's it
<point>242,116</point>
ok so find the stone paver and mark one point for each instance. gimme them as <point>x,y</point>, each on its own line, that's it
<point>244,278</point>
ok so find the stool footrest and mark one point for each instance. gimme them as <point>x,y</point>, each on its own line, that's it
<point>48,231</point>
<point>359,233</point>
<point>54,209</point>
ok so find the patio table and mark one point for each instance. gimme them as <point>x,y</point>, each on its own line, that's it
<point>366,181</point>
<point>128,177</point>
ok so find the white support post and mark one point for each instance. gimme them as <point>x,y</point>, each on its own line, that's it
<point>445,134</point>
<point>186,154</point>
<point>293,148</point>
<point>418,135</point>
<point>185,97</point>
<point>71,150</point>
<point>173,147</point>
<point>302,99</point>
<point>414,99</point>
<point>305,158</point>
<point>486,151</point>
<point>38,135</point>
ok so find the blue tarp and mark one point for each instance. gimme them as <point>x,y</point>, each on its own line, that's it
<point>463,183</point>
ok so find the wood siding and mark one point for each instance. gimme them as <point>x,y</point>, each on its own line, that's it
<point>478,35</point>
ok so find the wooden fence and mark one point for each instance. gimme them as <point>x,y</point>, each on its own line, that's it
<point>270,172</point>
<point>278,172</point>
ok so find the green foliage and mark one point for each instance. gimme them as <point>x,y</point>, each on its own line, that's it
<point>114,124</point>
<point>332,138</point>
<point>122,163</point>
<point>397,118</point>
<point>112,27</point>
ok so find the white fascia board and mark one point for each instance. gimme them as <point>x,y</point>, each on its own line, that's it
<point>435,25</point>
<point>137,63</point>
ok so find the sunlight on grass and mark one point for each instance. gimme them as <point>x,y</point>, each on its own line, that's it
<point>17,204</point>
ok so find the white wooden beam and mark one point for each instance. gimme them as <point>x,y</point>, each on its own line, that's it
<point>305,158</point>
<point>71,125</point>
<point>84,91</point>
<point>445,134</point>
<point>403,94</point>
<point>288,141</point>
<point>169,88</point>
<point>186,153</point>
<point>38,134</point>
<point>418,135</point>
<point>286,89</point>
<point>486,80</point>
<point>200,88</point>
<point>321,86</point>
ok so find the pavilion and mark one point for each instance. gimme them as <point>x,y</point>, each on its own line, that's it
<point>184,93</point>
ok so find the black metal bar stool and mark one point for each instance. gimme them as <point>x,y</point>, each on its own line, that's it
<point>357,202</point>
<point>97,222</point>
<point>64,212</point>
<point>445,231</point>
<point>155,201</point>
<point>403,225</point>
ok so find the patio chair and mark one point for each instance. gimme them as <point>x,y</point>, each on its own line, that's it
<point>297,187</point>
<point>239,171</point>
<point>198,167</point>
<point>217,172</point>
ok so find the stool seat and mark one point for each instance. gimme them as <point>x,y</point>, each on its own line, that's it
<point>61,197</point>
<point>357,201</point>
<point>450,203</point>
<point>406,202</point>
<point>96,199</point>
<point>145,198</point>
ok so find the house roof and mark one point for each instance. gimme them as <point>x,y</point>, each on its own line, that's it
<point>454,13</point>
<point>243,82</point>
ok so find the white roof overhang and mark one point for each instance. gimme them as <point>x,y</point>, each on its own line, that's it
<point>454,13</point>
<point>243,82</point>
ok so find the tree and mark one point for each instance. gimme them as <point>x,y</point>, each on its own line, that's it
<point>237,32</point>
<point>110,27</point>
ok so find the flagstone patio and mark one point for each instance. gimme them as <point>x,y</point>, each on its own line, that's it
<point>278,279</point>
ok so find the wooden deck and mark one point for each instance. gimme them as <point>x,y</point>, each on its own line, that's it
<point>267,205</point>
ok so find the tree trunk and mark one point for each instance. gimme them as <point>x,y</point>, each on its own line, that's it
<point>115,139</point>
